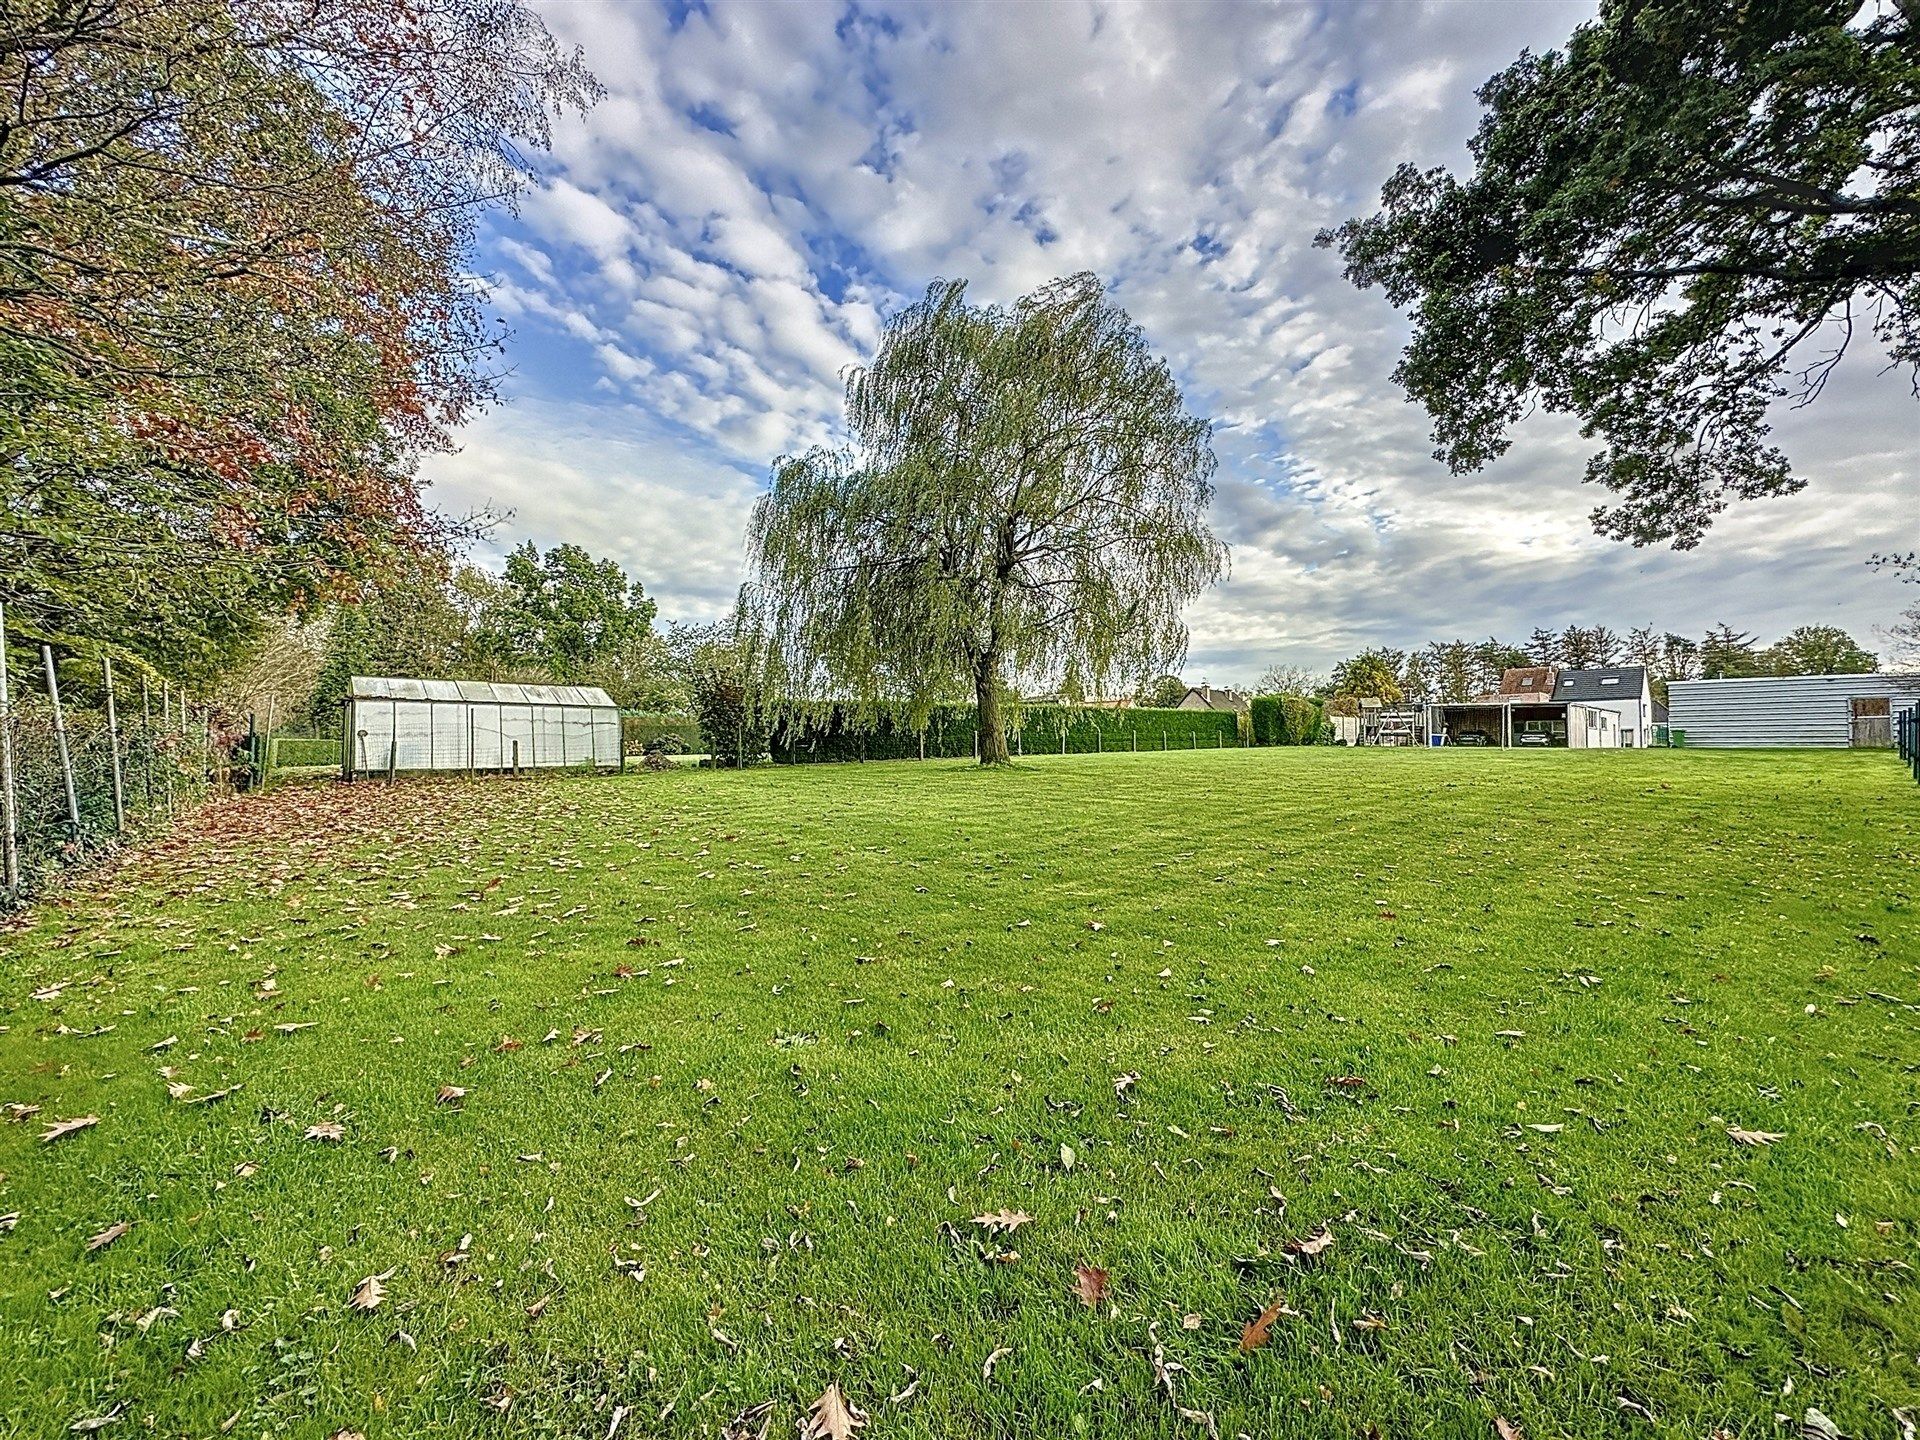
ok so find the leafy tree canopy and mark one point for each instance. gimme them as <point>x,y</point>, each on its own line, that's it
<point>1025,500</point>
<point>1818,650</point>
<point>1162,692</point>
<point>562,617</point>
<point>1372,674</point>
<point>566,611</point>
<point>1678,218</point>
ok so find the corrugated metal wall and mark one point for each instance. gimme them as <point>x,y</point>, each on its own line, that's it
<point>1794,710</point>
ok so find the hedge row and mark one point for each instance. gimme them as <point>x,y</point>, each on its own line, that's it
<point>1042,730</point>
<point>292,752</point>
<point>637,727</point>
<point>1288,720</point>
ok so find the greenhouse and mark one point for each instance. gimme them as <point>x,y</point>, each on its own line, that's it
<point>393,725</point>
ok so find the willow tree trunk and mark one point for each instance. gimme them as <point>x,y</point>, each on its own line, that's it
<point>993,734</point>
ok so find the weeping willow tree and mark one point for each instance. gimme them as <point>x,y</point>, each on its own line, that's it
<point>1024,499</point>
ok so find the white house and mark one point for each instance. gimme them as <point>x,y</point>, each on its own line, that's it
<point>1623,689</point>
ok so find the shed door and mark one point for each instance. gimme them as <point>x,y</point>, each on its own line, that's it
<point>1872,721</point>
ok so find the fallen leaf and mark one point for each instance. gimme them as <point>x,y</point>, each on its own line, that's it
<point>751,1423</point>
<point>107,1236</point>
<point>368,1294</point>
<point>1090,1284</point>
<point>98,1422</point>
<point>147,1321</point>
<point>831,1417</point>
<point>452,1095</point>
<point>1003,1222</point>
<point>1259,1330</point>
<point>331,1131</point>
<point>1753,1137</point>
<point>1311,1245</point>
<point>986,1370</point>
<point>1505,1429</point>
<point>59,1129</point>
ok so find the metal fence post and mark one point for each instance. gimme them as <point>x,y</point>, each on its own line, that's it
<point>146,734</point>
<point>113,742</point>
<point>60,739</point>
<point>166,723</point>
<point>9,822</point>
<point>266,749</point>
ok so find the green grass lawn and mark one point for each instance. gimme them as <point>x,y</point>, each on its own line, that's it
<point>1439,1051</point>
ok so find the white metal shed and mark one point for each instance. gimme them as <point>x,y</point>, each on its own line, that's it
<point>1832,710</point>
<point>390,724</point>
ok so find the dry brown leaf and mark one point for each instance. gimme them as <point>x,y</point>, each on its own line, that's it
<point>752,1423</point>
<point>98,1422</point>
<point>1090,1284</point>
<point>452,1095</point>
<point>59,1129</point>
<point>831,1417</point>
<point>1311,1245</point>
<point>1259,1330</point>
<point>331,1131</point>
<point>986,1370</point>
<point>368,1294</point>
<point>1505,1429</point>
<point>1003,1222</point>
<point>107,1236</point>
<point>1753,1137</point>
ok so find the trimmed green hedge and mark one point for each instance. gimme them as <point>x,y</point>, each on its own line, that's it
<point>637,727</point>
<point>292,752</point>
<point>1043,730</point>
<point>1288,720</point>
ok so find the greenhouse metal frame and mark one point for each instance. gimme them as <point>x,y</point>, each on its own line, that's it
<point>390,725</point>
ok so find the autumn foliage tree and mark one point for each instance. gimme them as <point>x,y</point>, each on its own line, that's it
<point>234,299</point>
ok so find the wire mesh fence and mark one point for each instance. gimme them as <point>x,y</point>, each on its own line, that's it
<point>77,779</point>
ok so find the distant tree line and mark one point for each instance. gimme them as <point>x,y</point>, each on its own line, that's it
<point>1460,669</point>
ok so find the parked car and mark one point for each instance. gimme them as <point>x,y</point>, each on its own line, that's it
<point>1470,737</point>
<point>1535,737</point>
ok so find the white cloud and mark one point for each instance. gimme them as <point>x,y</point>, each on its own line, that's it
<point>725,232</point>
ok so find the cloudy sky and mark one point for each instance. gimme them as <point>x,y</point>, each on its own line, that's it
<point>764,183</point>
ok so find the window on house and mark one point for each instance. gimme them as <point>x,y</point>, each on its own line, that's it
<point>1609,679</point>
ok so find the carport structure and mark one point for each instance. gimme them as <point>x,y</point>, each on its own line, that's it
<point>1523,721</point>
